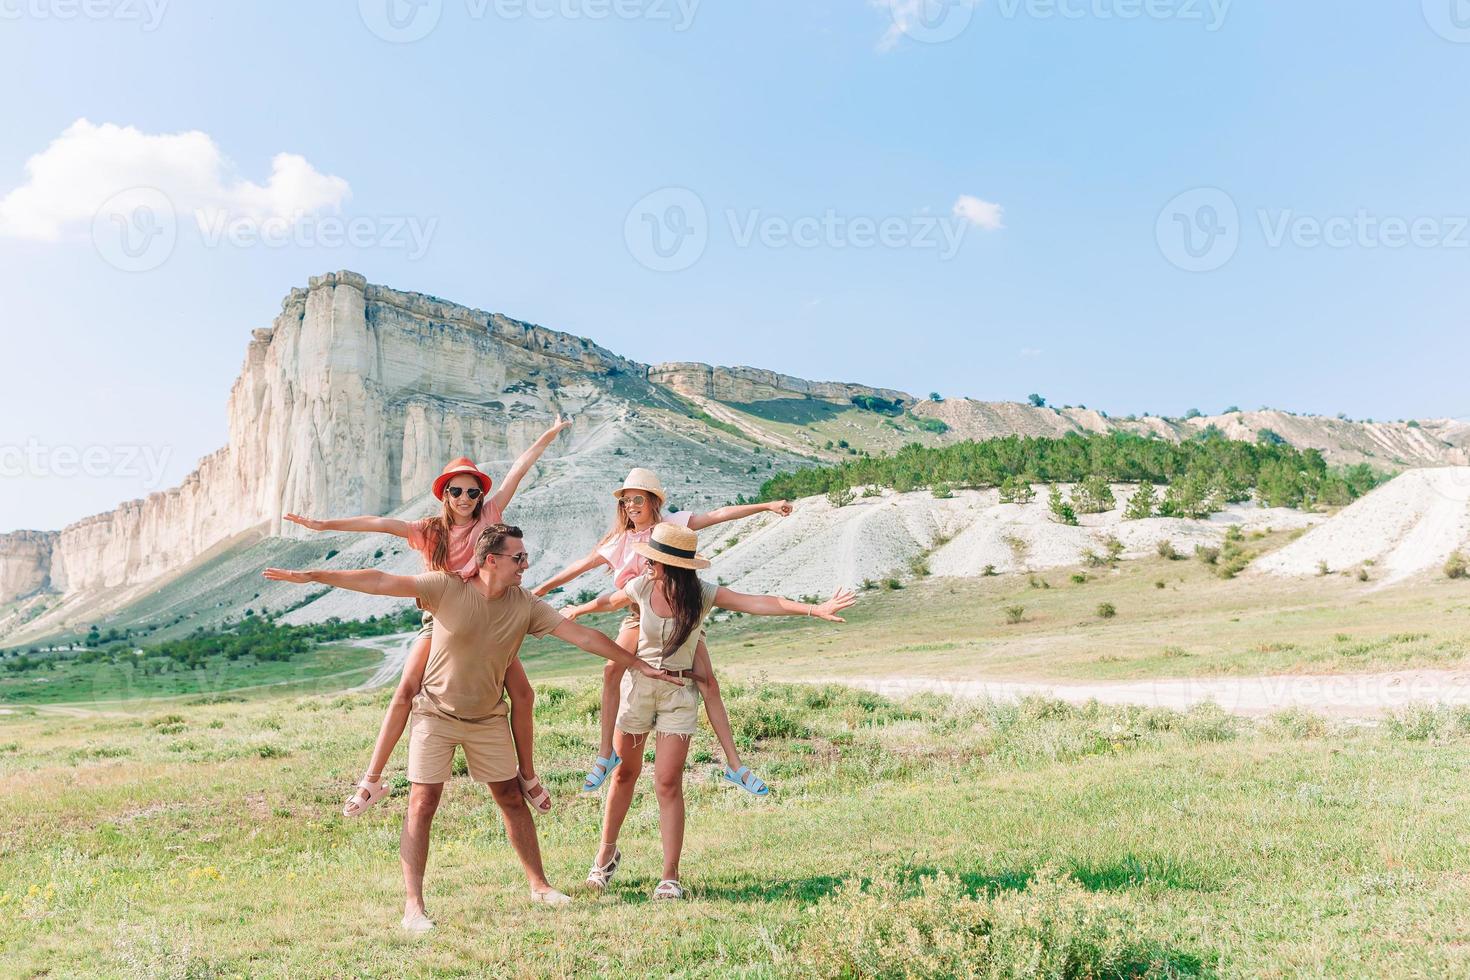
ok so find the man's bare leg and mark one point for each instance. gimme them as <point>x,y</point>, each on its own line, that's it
<point>521,830</point>
<point>413,845</point>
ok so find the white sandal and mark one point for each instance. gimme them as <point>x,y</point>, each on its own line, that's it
<point>669,888</point>
<point>372,792</point>
<point>417,923</point>
<point>551,897</point>
<point>599,877</point>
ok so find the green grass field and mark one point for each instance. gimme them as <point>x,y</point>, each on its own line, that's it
<point>928,838</point>
<point>331,666</point>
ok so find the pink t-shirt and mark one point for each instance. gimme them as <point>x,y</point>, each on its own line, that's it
<point>627,564</point>
<point>462,538</point>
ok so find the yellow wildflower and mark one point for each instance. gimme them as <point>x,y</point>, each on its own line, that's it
<point>5,899</point>
<point>33,891</point>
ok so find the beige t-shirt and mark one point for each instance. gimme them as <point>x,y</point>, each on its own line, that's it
<point>475,639</point>
<point>654,630</point>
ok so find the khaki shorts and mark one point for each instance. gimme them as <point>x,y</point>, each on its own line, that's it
<point>648,705</point>
<point>433,737</point>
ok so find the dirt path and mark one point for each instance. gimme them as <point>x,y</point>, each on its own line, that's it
<point>1337,695</point>
<point>395,651</point>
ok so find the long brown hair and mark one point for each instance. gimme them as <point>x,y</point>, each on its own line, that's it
<point>622,523</point>
<point>681,586</point>
<point>436,534</point>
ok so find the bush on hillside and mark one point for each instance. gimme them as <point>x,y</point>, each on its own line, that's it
<point>1093,495</point>
<point>1142,504</point>
<point>1456,566</point>
<point>1061,510</point>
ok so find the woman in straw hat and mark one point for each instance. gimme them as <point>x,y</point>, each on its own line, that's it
<point>673,602</point>
<point>641,501</point>
<point>447,543</point>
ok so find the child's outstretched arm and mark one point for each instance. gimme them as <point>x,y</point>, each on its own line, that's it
<point>774,605</point>
<point>366,580</point>
<point>525,461</point>
<point>577,568</point>
<point>383,525</point>
<point>603,603</point>
<point>720,515</point>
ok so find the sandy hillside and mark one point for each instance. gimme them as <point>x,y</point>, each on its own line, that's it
<point>820,546</point>
<point>1405,527</point>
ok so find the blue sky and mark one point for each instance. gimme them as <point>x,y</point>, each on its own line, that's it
<point>520,136</point>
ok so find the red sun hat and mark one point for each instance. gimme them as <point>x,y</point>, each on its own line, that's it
<point>464,466</point>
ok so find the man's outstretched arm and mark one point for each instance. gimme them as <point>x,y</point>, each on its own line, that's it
<point>368,580</point>
<point>597,644</point>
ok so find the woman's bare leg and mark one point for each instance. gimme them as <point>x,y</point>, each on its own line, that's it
<point>522,716</point>
<point>669,754</point>
<point>396,718</point>
<point>714,705</point>
<point>620,794</point>
<point>612,682</point>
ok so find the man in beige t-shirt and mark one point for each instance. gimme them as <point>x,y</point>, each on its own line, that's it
<point>478,629</point>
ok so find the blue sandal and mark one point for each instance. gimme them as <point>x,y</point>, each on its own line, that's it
<point>746,780</point>
<point>600,771</point>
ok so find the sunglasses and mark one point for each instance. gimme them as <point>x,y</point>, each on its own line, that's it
<point>636,499</point>
<point>520,557</point>
<point>473,492</point>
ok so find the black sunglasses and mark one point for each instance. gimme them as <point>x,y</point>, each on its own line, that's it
<point>520,557</point>
<point>473,492</point>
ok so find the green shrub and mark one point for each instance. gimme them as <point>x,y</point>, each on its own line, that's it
<point>1167,550</point>
<point>840,496</point>
<point>1094,495</point>
<point>936,426</point>
<point>760,720</point>
<point>1016,489</point>
<point>1106,610</point>
<point>1457,566</point>
<point>1014,614</point>
<point>1052,927</point>
<point>942,491</point>
<point>1061,510</point>
<point>1208,554</point>
<point>1142,503</point>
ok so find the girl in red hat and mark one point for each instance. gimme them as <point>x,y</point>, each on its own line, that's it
<point>447,542</point>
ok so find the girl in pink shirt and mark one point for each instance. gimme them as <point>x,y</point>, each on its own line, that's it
<point>640,509</point>
<point>447,542</point>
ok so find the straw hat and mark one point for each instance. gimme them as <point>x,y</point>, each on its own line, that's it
<point>671,544</point>
<point>463,466</point>
<point>645,480</point>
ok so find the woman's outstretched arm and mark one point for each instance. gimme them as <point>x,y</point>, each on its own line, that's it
<point>525,461</point>
<point>579,567</point>
<point>774,605</point>
<point>367,580</point>
<point>606,602</point>
<point>720,515</point>
<point>382,525</point>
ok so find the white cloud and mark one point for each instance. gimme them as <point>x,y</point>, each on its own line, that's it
<point>981,214</point>
<point>87,164</point>
<point>923,20</point>
<point>1030,352</point>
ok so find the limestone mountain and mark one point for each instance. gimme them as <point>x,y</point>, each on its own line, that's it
<point>356,394</point>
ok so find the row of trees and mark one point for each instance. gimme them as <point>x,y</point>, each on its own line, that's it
<point>1201,474</point>
<point>256,637</point>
